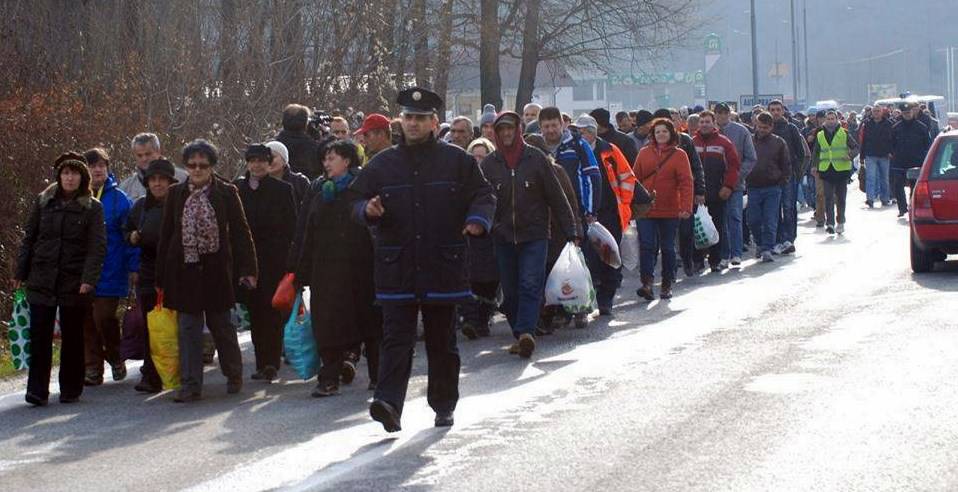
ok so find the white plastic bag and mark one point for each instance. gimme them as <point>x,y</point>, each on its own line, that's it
<point>629,248</point>
<point>706,235</point>
<point>570,284</point>
<point>603,242</point>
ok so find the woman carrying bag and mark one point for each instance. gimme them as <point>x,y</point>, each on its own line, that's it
<point>60,260</point>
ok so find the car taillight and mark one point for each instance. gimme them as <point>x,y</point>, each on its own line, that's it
<point>921,201</point>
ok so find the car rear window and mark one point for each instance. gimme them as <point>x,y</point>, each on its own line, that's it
<point>946,163</point>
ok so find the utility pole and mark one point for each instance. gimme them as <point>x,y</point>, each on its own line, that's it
<point>795,72</point>
<point>808,69</point>
<point>754,56</point>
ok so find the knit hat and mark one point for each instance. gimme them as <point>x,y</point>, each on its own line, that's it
<point>77,163</point>
<point>585,121</point>
<point>488,115</point>
<point>602,117</point>
<point>644,117</point>
<point>279,148</point>
<point>258,151</point>
<point>160,167</point>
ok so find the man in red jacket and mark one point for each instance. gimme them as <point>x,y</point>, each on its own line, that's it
<point>721,163</point>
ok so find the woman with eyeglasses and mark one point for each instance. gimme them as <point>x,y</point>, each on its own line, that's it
<point>204,240</point>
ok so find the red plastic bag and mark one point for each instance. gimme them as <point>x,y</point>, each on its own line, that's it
<point>285,294</point>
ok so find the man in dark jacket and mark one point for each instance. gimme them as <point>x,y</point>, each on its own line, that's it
<point>422,196</point>
<point>527,192</point>
<point>910,143</point>
<point>876,145</point>
<point>765,183</point>
<point>797,152</point>
<point>608,133</point>
<point>303,150</point>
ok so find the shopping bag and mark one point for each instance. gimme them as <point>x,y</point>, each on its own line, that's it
<point>570,284</point>
<point>133,341</point>
<point>298,341</point>
<point>706,235</point>
<point>285,294</point>
<point>239,316</point>
<point>18,331</point>
<point>629,248</point>
<point>164,343</point>
<point>604,244</point>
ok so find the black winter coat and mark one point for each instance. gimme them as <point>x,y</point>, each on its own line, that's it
<point>271,214</point>
<point>526,196</point>
<point>64,247</point>
<point>698,171</point>
<point>303,153</point>
<point>796,145</point>
<point>146,216</point>
<point>300,184</point>
<point>430,191</point>
<point>337,265</point>
<point>877,138</point>
<point>910,143</point>
<point>211,284</point>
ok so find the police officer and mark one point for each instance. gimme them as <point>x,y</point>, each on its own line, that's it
<point>422,196</point>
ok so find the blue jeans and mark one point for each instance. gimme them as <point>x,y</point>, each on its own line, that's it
<point>657,235</point>
<point>876,179</point>
<point>522,274</point>
<point>733,215</point>
<point>763,215</point>
<point>808,190</point>
<point>788,221</point>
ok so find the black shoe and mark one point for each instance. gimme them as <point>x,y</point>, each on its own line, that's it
<point>234,386</point>
<point>870,203</point>
<point>35,400</point>
<point>348,373</point>
<point>385,414</point>
<point>208,358</point>
<point>69,399</point>
<point>605,311</point>
<point>267,374</point>
<point>581,320</point>
<point>444,419</point>
<point>184,396</point>
<point>902,213</point>
<point>92,379</point>
<point>119,371</point>
<point>323,390</point>
<point>688,270</point>
<point>145,386</point>
<point>830,230</point>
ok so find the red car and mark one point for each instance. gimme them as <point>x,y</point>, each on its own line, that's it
<point>934,204</point>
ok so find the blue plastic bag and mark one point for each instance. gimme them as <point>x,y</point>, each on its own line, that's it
<point>299,343</point>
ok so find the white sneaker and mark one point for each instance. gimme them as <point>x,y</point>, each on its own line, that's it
<point>767,257</point>
<point>723,264</point>
<point>778,248</point>
<point>736,261</point>
<point>840,228</point>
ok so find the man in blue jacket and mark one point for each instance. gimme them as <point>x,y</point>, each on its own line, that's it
<point>101,330</point>
<point>423,197</point>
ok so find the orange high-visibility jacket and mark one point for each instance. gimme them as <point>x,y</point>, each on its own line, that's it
<point>621,178</point>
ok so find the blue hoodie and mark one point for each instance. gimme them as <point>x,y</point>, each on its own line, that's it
<point>121,258</point>
<point>575,156</point>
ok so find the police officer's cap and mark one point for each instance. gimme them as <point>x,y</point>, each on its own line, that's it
<point>416,100</point>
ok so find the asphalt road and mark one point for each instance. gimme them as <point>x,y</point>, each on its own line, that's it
<point>834,369</point>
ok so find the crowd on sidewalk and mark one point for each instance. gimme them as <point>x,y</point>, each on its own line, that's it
<point>407,227</point>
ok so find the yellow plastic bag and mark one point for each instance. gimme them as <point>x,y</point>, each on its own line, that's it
<point>164,343</point>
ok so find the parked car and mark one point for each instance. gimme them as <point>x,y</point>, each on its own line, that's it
<point>934,205</point>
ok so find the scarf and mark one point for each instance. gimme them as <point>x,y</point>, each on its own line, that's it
<point>201,233</point>
<point>335,186</point>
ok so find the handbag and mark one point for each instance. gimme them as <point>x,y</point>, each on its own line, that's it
<point>133,341</point>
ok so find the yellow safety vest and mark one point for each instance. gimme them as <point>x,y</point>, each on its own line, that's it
<point>834,154</point>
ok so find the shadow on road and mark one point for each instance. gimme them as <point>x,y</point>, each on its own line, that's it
<point>943,277</point>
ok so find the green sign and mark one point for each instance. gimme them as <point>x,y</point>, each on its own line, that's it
<point>713,44</point>
<point>696,77</point>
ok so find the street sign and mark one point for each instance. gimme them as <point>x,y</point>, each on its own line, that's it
<point>713,50</point>
<point>747,101</point>
<point>882,91</point>
<point>778,71</point>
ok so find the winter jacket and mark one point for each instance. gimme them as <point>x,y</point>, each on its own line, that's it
<point>876,138</point>
<point>146,217</point>
<point>211,284</point>
<point>304,154</point>
<point>525,197</point>
<point>741,137</point>
<point>134,187</point>
<point>623,186</point>
<point>797,148</point>
<point>271,214</point>
<point>695,163</point>
<point>300,184</point>
<point>121,258</point>
<point>910,143</point>
<point>557,243</point>
<point>579,163</point>
<point>668,176</point>
<point>63,247</point>
<point>625,144</point>
<point>720,162</point>
<point>430,192</point>
<point>773,167</point>
<point>337,266</point>
<point>639,140</point>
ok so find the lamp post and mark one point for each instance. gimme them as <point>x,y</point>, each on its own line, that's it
<point>754,55</point>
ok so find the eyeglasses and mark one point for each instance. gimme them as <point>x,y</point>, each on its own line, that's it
<point>192,165</point>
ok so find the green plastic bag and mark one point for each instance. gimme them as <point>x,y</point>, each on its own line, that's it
<point>239,316</point>
<point>19,331</point>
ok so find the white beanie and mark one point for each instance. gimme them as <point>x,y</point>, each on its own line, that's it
<point>279,148</point>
